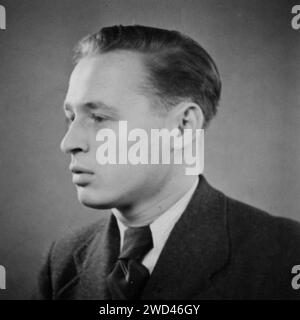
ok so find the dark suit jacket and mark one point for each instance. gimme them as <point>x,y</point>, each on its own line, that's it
<point>219,249</point>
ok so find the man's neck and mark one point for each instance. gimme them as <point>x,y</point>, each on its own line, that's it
<point>156,206</point>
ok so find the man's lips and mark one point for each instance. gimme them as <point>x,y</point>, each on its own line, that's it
<point>81,175</point>
<point>80,170</point>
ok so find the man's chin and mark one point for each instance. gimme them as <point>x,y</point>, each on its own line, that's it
<point>94,201</point>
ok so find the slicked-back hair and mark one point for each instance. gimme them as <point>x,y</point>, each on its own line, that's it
<point>178,67</point>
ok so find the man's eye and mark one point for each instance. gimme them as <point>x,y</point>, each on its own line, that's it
<point>97,118</point>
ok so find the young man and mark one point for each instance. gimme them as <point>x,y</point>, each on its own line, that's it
<point>169,235</point>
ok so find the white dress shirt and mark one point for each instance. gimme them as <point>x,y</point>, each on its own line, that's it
<point>161,227</point>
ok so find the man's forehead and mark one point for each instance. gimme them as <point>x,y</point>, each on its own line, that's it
<point>109,66</point>
<point>115,78</point>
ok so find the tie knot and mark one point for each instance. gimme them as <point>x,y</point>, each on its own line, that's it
<point>137,242</point>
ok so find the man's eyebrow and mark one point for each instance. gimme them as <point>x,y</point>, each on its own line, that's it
<point>98,105</point>
<point>95,105</point>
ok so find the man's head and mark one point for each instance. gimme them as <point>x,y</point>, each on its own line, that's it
<point>177,67</point>
<point>152,78</point>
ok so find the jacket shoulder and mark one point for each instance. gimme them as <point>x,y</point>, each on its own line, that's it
<point>263,250</point>
<point>247,223</point>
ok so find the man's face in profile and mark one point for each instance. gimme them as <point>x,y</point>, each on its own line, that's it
<point>103,90</point>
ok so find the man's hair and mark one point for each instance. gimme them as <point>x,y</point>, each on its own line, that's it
<point>178,67</point>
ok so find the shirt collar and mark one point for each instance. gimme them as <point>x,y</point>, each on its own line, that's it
<point>162,226</point>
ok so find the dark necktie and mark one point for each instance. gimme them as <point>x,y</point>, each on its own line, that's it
<point>129,276</point>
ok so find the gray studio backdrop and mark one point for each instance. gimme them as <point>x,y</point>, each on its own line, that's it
<point>251,149</point>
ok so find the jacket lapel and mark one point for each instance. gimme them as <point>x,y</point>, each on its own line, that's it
<point>93,261</point>
<point>196,249</point>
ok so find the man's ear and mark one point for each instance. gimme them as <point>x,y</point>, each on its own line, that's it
<point>186,115</point>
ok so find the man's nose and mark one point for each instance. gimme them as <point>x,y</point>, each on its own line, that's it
<point>74,140</point>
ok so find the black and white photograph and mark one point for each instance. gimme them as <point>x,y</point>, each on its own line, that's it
<point>150,150</point>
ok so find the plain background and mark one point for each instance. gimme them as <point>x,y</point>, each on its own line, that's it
<point>251,148</point>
